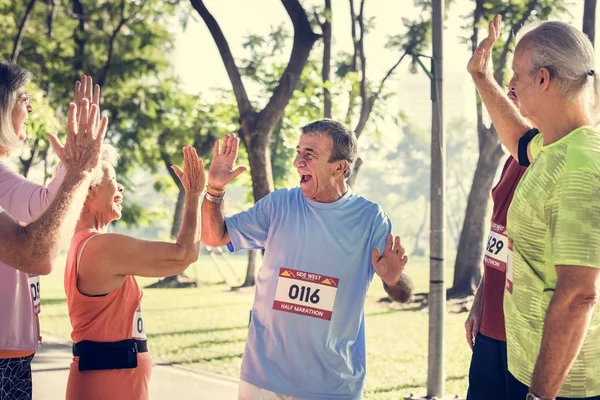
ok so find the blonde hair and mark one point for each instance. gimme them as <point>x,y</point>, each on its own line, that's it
<point>569,56</point>
<point>12,78</point>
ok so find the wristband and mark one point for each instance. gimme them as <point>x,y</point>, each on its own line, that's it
<point>213,199</point>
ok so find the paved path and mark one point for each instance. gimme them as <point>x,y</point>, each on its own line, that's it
<point>51,370</point>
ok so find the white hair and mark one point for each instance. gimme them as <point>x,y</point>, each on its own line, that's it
<point>569,56</point>
<point>108,156</point>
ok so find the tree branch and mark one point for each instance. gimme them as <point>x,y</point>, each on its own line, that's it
<point>51,18</point>
<point>304,39</point>
<point>589,20</point>
<point>21,32</point>
<point>499,70</point>
<point>326,71</point>
<point>366,107</point>
<point>354,66</point>
<point>241,96</point>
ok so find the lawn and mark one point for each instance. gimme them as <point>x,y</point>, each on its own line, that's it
<point>205,328</point>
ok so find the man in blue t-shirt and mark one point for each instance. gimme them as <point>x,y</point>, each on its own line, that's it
<point>322,246</point>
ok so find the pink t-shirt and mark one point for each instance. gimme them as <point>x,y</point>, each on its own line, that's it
<point>25,201</point>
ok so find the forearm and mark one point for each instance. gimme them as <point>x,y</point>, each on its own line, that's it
<point>44,237</point>
<point>188,238</point>
<point>565,327</point>
<point>478,299</point>
<point>402,290</point>
<point>507,119</point>
<point>214,232</point>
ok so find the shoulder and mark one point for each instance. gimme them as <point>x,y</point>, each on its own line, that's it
<point>583,151</point>
<point>369,209</point>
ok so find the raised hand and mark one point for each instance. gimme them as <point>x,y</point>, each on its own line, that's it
<point>192,177</point>
<point>481,60</point>
<point>221,170</point>
<point>83,146</point>
<point>390,264</point>
<point>85,89</point>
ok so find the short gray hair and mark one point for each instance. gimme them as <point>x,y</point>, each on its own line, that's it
<point>343,141</point>
<point>110,156</point>
<point>565,51</point>
<point>12,78</point>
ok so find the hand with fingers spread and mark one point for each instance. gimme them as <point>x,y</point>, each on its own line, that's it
<point>82,149</point>
<point>390,264</point>
<point>481,60</point>
<point>192,177</point>
<point>221,170</point>
<point>85,89</point>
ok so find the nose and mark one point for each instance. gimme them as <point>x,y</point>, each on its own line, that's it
<point>298,161</point>
<point>121,188</point>
<point>29,109</point>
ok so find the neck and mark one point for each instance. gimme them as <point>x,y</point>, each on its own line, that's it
<point>88,220</point>
<point>563,119</point>
<point>334,194</point>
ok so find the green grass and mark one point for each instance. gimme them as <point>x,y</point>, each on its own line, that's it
<point>205,328</point>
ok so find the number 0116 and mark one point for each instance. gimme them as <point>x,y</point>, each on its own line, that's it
<point>303,293</point>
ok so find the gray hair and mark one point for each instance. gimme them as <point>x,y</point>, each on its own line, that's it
<point>567,53</point>
<point>109,156</point>
<point>343,141</point>
<point>12,78</point>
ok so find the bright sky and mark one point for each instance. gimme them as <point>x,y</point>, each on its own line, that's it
<point>199,64</point>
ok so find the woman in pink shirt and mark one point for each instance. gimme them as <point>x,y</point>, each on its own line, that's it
<point>111,359</point>
<point>24,201</point>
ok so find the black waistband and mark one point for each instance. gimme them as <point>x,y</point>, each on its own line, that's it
<point>139,346</point>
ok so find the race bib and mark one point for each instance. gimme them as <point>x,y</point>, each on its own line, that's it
<point>496,251</point>
<point>34,289</point>
<point>138,331</point>
<point>509,267</point>
<point>305,293</point>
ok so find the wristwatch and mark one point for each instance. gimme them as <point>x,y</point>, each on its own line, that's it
<point>531,396</point>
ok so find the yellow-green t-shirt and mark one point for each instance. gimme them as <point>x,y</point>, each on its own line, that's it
<point>554,219</point>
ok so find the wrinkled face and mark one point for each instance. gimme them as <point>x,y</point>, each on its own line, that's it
<point>525,88</point>
<point>20,112</point>
<point>318,176</point>
<point>105,198</point>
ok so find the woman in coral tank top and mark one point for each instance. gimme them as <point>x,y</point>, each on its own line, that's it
<point>111,358</point>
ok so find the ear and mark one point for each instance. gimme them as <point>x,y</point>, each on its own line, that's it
<point>543,78</point>
<point>341,167</point>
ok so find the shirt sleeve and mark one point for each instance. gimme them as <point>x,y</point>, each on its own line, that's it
<point>524,144</point>
<point>249,229</point>
<point>23,199</point>
<point>575,219</point>
<point>536,145</point>
<point>383,226</point>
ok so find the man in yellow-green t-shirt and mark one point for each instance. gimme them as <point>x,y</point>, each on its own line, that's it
<point>554,223</point>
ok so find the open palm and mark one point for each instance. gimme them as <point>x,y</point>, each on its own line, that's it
<point>390,264</point>
<point>480,62</point>
<point>221,170</point>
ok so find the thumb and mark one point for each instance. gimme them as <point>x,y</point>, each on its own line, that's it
<point>238,171</point>
<point>56,144</point>
<point>375,256</point>
<point>177,171</point>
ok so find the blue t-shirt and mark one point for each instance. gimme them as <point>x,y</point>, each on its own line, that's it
<point>306,338</point>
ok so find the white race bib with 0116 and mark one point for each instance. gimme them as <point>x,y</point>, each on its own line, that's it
<point>34,289</point>
<point>305,293</point>
<point>138,331</point>
<point>496,251</point>
<point>509,267</point>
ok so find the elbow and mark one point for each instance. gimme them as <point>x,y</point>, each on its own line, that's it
<point>211,240</point>
<point>403,297</point>
<point>584,302</point>
<point>44,268</point>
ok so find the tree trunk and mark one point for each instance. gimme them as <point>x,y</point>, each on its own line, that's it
<point>352,179</point>
<point>27,163</point>
<point>589,19</point>
<point>21,32</point>
<point>326,28</point>
<point>80,39</point>
<point>178,215</point>
<point>467,269</point>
